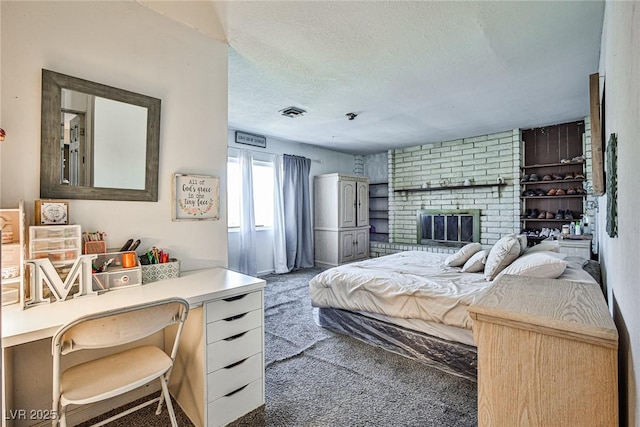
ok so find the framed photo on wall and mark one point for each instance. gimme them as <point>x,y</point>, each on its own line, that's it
<point>195,197</point>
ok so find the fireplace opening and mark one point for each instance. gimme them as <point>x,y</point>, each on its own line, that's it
<point>450,227</point>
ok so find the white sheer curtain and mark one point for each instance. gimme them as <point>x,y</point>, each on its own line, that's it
<point>248,263</point>
<point>279,240</point>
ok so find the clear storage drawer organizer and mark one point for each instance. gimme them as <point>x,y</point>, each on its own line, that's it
<point>112,273</point>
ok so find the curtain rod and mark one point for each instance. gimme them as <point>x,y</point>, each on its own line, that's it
<point>267,152</point>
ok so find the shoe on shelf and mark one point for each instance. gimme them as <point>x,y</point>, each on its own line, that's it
<point>569,176</point>
<point>552,192</point>
<point>534,214</point>
<point>560,214</point>
<point>549,215</point>
<point>578,176</point>
<point>560,192</point>
<point>572,191</point>
<point>526,213</point>
<point>557,177</point>
<point>542,215</point>
<point>540,192</point>
<point>568,215</point>
<point>547,177</point>
<point>534,177</point>
<point>525,178</point>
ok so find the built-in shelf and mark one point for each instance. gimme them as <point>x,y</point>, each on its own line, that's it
<point>547,220</point>
<point>555,181</point>
<point>545,165</point>
<point>554,197</point>
<point>450,187</point>
<point>379,211</point>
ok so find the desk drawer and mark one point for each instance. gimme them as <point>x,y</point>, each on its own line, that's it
<point>234,349</point>
<point>228,379</point>
<point>235,325</point>
<point>232,306</point>
<point>235,404</point>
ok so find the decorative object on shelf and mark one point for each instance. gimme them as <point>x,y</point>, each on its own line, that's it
<point>43,273</point>
<point>250,139</point>
<point>195,198</point>
<point>612,186</point>
<point>52,212</point>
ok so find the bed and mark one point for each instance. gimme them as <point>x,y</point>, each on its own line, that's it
<point>410,303</point>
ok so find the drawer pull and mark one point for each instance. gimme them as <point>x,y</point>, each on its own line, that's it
<point>234,337</point>
<point>232,318</point>
<point>233,365</point>
<point>235,391</point>
<point>234,298</point>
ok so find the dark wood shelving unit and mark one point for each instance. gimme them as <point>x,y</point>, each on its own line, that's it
<point>378,218</point>
<point>543,149</point>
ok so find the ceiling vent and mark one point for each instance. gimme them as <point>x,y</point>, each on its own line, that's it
<point>292,112</point>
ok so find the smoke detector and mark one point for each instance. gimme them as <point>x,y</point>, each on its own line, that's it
<point>292,112</point>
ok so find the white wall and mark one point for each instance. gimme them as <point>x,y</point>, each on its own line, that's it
<point>129,46</point>
<point>620,65</point>
<point>322,161</point>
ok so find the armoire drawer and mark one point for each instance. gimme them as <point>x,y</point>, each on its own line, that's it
<point>232,306</point>
<point>233,349</point>
<point>234,325</point>
<point>232,377</point>
<point>235,404</point>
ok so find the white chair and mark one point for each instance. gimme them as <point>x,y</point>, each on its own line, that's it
<point>112,375</point>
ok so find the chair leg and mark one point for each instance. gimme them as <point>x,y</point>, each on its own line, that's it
<point>63,416</point>
<point>167,397</point>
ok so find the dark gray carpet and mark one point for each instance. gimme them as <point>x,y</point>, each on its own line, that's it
<point>317,378</point>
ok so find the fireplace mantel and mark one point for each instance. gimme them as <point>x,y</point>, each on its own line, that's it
<point>449,187</point>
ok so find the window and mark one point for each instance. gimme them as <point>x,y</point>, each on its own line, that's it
<point>262,192</point>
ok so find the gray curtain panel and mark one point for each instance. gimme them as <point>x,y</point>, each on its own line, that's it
<point>297,212</point>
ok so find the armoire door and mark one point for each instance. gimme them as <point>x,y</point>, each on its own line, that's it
<point>347,204</point>
<point>362,210</point>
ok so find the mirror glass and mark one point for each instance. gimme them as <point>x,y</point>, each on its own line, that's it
<point>98,142</point>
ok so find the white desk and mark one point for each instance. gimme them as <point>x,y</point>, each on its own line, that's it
<point>28,333</point>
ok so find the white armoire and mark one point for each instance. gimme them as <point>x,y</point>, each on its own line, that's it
<point>341,218</point>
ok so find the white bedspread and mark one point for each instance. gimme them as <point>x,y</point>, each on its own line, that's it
<point>409,285</point>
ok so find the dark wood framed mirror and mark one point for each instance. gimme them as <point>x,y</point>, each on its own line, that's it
<point>98,142</point>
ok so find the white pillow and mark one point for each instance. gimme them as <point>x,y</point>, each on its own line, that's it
<point>548,245</point>
<point>522,239</point>
<point>501,255</point>
<point>475,264</point>
<point>460,257</point>
<point>539,264</point>
<point>554,254</point>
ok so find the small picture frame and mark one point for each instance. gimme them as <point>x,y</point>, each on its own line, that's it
<point>195,198</point>
<point>51,212</point>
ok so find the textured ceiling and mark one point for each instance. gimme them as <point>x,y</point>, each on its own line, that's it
<point>414,72</point>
